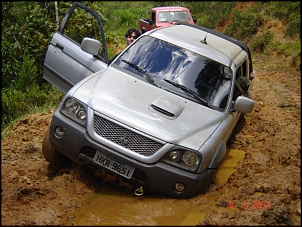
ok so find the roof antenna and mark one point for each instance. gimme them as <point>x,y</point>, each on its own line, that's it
<point>205,39</point>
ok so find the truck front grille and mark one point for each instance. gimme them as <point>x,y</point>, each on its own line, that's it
<point>125,137</point>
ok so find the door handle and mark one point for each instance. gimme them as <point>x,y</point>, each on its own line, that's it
<point>58,45</point>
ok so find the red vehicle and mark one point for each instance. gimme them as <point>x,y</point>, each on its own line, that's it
<point>165,16</point>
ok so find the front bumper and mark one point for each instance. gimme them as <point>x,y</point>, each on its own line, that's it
<point>158,177</point>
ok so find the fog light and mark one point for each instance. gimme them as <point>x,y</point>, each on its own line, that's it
<point>179,186</point>
<point>59,131</point>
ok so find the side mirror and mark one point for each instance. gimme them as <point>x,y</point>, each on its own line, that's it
<point>91,46</point>
<point>243,104</point>
<point>194,20</point>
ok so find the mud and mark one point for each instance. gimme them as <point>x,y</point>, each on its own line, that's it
<point>263,188</point>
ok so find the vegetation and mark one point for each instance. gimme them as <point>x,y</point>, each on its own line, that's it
<point>27,28</point>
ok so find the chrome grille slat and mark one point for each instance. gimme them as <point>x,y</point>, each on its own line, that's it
<point>125,137</point>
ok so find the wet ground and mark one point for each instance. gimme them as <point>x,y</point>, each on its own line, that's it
<point>264,189</point>
<point>114,206</point>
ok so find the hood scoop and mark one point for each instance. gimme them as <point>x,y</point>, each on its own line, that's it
<point>165,107</point>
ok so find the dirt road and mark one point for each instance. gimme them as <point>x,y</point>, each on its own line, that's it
<point>265,189</point>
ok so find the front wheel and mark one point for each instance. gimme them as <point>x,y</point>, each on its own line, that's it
<point>49,153</point>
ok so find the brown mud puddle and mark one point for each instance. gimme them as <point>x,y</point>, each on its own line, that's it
<point>114,206</point>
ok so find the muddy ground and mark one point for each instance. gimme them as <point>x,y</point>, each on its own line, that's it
<point>34,193</point>
<point>265,189</point>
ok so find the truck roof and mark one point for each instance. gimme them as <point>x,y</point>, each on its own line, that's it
<point>218,46</point>
<point>169,8</point>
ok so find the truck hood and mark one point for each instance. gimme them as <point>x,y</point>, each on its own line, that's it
<point>147,108</point>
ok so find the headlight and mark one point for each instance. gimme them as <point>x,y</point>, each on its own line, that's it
<point>81,114</point>
<point>190,158</point>
<point>175,156</point>
<point>72,105</point>
<point>184,159</point>
<point>75,110</point>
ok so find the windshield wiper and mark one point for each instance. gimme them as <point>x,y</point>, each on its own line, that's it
<point>187,90</point>
<point>141,71</point>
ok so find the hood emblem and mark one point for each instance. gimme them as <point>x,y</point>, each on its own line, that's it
<point>123,139</point>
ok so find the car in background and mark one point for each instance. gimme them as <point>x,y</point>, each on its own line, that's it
<point>165,16</point>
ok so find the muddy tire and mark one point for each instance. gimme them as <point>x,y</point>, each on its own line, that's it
<point>49,153</point>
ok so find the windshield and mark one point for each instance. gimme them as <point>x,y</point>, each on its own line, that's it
<point>172,16</point>
<point>165,62</point>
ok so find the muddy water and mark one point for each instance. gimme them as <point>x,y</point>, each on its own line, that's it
<point>114,206</point>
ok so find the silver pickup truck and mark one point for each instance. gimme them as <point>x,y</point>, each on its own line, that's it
<point>157,118</point>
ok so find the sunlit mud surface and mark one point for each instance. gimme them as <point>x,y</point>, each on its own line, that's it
<point>114,206</point>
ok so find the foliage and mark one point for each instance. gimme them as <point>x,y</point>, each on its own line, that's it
<point>209,14</point>
<point>244,24</point>
<point>260,43</point>
<point>27,28</point>
<point>267,42</point>
<point>16,103</point>
<point>24,95</point>
<point>289,12</point>
<point>10,62</point>
<point>292,50</point>
<point>82,24</point>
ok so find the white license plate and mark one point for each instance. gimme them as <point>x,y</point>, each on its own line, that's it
<point>105,161</point>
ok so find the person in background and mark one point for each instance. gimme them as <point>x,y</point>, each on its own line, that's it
<point>131,35</point>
